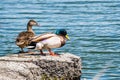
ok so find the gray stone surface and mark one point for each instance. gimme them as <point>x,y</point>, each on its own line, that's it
<point>38,67</point>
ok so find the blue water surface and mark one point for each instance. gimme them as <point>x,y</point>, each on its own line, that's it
<point>93,26</point>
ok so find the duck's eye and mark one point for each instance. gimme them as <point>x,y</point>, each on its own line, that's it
<point>33,23</point>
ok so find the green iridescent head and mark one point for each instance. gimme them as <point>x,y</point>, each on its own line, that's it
<point>62,32</point>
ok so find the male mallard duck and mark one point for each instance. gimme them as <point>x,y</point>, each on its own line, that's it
<point>49,40</point>
<point>22,39</point>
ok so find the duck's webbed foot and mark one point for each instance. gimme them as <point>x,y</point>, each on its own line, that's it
<point>21,52</point>
<point>53,54</point>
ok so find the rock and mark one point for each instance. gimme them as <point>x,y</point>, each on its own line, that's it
<point>38,67</point>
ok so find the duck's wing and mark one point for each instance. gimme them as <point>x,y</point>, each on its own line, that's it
<point>23,38</point>
<point>20,38</point>
<point>42,37</point>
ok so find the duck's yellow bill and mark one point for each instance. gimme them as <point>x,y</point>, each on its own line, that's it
<point>67,37</point>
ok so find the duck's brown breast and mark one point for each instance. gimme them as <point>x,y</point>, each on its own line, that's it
<point>23,38</point>
<point>63,40</point>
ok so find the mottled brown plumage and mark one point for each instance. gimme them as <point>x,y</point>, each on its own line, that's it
<point>22,39</point>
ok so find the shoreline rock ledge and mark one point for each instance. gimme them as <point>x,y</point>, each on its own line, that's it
<point>38,67</point>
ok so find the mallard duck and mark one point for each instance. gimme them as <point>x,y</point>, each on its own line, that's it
<point>49,41</point>
<point>22,39</point>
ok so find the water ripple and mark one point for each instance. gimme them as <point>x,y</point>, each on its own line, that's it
<point>93,26</point>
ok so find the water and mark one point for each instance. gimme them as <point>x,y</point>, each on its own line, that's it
<point>93,26</point>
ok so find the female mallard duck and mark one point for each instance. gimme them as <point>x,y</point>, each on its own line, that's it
<point>22,39</point>
<point>49,40</point>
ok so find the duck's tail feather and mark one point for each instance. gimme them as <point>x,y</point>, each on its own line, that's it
<point>32,45</point>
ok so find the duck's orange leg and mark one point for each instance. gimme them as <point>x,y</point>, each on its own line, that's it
<point>41,52</point>
<point>51,53</point>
